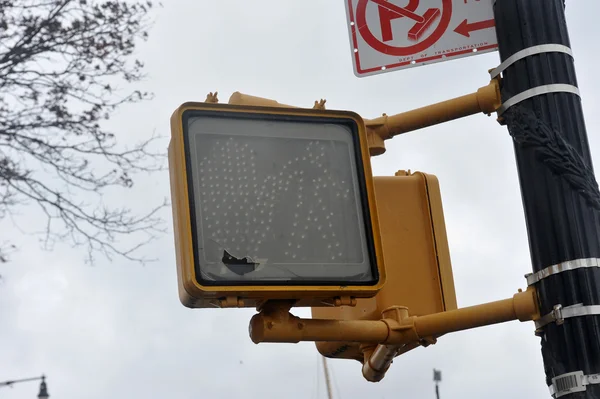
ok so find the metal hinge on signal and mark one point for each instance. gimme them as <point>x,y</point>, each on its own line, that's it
<point>230,302</point>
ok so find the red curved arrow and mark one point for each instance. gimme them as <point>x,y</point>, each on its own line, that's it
<point>465,28</point>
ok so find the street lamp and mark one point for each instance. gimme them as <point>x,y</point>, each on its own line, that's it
<point>437,377</point>
<point>43,389</point>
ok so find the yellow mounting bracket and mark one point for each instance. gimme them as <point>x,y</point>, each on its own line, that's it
<point>395,333</point>
<point>487,100</point>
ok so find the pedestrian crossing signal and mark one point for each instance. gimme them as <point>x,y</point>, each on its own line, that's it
<point>272,203</point>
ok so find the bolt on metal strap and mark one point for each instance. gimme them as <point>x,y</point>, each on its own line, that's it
<point>568,383</point>
<point>560,313</point>
<point>533,278</point>
<point>528,52</point>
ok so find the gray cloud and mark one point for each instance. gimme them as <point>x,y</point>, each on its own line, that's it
<point>118,330</point>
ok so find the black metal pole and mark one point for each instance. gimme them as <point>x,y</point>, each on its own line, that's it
<point>10,383</point>
<point>559,191</point>
<point>437,391</point>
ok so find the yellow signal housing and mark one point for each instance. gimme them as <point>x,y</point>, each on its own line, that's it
<point>273,203</point>
<point>416,253</point>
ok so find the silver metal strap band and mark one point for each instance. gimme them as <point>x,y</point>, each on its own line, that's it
<point>536,91</point>
<point>574,264</point>
<point>559,314</point>
<point>567,383</point>
<point>528,52</point>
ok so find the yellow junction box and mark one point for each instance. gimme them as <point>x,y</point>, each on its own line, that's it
<point>416,254</point>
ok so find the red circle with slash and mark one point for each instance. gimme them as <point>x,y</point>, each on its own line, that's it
<point>367,35</point>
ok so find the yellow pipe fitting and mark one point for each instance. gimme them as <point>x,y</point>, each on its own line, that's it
<point>367,349</point>
<point>526,305</point>
<point>376,144</point>
<point>397,313</point>
<point>377,363</point>
<point>264,328</point>
<point>489,97</point>
<point>400,326</point>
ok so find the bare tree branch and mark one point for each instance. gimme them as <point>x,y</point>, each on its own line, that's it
<point>61,62</point>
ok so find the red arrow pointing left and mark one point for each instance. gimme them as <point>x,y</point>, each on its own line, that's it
<point>465,28</point>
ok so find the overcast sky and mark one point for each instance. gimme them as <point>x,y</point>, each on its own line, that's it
<point>119,331</point>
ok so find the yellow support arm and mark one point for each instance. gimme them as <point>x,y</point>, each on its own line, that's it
<point>275,324</point>
<point>486,100</point>
<point>396,331</point>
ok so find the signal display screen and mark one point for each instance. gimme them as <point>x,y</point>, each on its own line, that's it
<point>277,201</point>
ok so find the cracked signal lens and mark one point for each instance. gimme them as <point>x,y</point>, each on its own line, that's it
<point>277,201</point>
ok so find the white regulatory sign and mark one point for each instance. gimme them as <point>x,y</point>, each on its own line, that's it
<point>397,34</point>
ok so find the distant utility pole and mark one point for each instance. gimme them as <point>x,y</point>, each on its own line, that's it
<point>437,377</point>
<point>543,112</point>
<point>327,379</point>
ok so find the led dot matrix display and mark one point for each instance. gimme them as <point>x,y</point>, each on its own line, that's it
<point>277,201</point>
